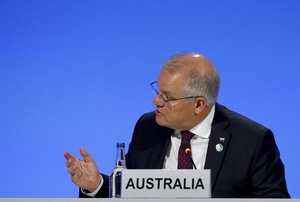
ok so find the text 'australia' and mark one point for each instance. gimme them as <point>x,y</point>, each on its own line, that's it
<point>164,183</point>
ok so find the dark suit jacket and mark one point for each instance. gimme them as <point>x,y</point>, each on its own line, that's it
<point>248,166</point>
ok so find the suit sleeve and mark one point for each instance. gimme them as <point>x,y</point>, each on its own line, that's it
<point>267,171</point>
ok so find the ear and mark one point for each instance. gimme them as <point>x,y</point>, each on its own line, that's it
<point>200,103</point>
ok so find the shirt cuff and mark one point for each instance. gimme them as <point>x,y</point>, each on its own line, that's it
<point>92,194</point>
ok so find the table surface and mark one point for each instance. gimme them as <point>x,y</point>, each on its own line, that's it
<point>142,200</point>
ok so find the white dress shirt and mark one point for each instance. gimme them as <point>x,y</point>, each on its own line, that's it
<point>199,144</point>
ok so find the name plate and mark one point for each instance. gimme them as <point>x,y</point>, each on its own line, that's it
<point>166,184</point>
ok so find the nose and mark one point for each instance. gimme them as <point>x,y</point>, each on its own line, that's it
<point>158,101</point>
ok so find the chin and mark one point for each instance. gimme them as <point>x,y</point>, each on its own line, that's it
<point>163,123</point>
<point>160,122</point>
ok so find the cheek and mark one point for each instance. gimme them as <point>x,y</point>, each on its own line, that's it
<point>164,119</point>
<point>183,116</point>
<point>161,120</point>
<point>173,118</point>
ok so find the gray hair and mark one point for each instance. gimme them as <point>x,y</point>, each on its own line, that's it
<point>202,77</point>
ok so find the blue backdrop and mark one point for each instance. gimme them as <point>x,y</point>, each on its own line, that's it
<point>76,73</point>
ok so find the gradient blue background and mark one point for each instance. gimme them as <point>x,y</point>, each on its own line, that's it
<point>77,73</point>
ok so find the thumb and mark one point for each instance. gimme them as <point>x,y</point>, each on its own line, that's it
<point>85,155</point>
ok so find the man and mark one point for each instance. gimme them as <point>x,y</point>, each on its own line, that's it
<point>242,154</point>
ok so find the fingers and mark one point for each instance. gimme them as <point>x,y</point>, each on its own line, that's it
<point>76,178</point>
<point>74,168</point>
<point>76,175</point>
<point>68,156</point>
<point>85,155</point>
<point>84,173</point>
<point>74,171</point>
<point>70,159</point>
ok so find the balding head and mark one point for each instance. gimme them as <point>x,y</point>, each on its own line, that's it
<point>201,77</point>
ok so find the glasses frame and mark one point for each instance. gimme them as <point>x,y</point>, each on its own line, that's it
<point>166,101</point>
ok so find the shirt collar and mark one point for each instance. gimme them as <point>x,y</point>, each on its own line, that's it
<point>203,128</point>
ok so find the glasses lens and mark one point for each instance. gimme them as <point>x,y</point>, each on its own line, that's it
<point>164,101</point>
<point>155,90</point>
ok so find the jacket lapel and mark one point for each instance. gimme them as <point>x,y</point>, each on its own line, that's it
<point>156,155</point>
<point>218,143</point>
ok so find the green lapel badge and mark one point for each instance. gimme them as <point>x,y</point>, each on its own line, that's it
<point>219,147</point>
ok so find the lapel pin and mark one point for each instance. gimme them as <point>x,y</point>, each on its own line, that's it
<point>219,147</point>
<point>222,139</point>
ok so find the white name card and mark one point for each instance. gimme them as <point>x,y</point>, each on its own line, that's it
<point>166,183</point>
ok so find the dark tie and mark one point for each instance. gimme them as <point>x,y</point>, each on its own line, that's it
<point>184,160</point>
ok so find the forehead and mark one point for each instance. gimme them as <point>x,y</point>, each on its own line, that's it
<point>171,83</point>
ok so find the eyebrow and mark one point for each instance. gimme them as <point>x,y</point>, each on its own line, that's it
<point>167,93</point>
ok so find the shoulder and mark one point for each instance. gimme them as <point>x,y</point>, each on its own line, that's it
<point>243,130</point>
<point>148,117</point>
<point>247,137</point>
<point>146,124</point>
<point>146,121</point>
<point>238,122</point>
<point>148,133</point>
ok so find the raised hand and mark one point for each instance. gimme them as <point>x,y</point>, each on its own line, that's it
<point>84,172</point>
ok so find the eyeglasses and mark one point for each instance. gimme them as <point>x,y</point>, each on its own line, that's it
<point>166,102</point>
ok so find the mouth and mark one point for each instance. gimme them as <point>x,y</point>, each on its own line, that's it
<point>158,113</point>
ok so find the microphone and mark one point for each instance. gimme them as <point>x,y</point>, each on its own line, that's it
<point>186,146</point>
